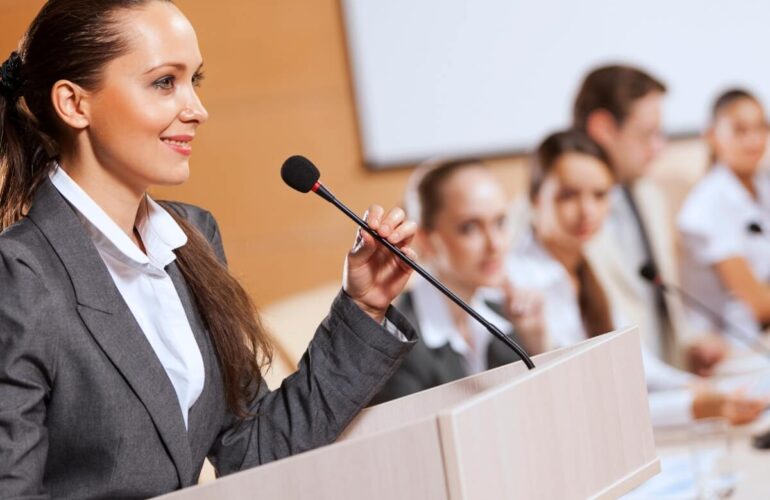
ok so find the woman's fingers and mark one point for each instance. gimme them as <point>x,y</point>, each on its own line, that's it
<point>373,217</point>
<point>390,225</point>
<point>403,234</point>
<point>390,222</point>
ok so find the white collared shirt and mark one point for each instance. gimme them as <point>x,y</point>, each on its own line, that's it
<point>144,284</point>
<point>714,224</point>
<point>438,329</point>
<point>622,224</point>
<point>532,267</point>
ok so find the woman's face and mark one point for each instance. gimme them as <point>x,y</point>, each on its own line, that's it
<point>469,238</point>
<point>739,136</point>
<point>573,200</point>
<point>144,116</point>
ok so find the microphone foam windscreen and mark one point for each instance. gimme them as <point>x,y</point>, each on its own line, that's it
<point>648,271</point>
<point>300,173</point>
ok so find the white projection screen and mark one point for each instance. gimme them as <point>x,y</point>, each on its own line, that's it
<point>491,77</point>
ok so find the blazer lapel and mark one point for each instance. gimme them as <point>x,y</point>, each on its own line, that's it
<point>211,400</point>
<point>111,322</point>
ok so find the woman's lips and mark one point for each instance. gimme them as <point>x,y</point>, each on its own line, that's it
<point>179,143</point>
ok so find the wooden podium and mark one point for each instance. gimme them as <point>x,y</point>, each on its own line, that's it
<point>578,426</point>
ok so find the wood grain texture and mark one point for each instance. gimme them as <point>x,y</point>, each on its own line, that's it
<point>578,426</point>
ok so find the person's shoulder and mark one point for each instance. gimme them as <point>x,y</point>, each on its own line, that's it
<point>23,242</point>
<point>650,191</point>
<point>202,220</point>
<point>199,217</point>
<point>706,199</point>
<point>193,213</point>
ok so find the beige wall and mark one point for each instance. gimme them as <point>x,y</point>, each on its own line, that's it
<point>277,84</point>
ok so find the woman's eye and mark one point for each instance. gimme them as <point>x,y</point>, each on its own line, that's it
<point>165,83</point>
<point>198,78</point>
<point>467,228</point>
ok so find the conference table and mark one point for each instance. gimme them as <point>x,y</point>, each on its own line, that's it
<point>678,447</point>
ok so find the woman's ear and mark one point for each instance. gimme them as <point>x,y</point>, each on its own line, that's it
<point>423,244</point>
<point>710,135</point>
<point>70,101</point>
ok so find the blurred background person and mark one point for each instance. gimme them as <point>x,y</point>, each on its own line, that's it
<point>463,239</point>
<point>620,108</point>
<point>725,221</point>
<point>570,182</point>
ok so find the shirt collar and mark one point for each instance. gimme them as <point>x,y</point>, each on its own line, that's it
<point>542,269</point>
<point>160,233</point>
<point>737,191</point>
<point>435,320</point>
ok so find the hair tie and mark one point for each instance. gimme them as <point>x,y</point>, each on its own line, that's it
<point>10,77</point>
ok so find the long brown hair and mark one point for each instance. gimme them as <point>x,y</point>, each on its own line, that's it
<point>593,303</point>
<point>74,40</point>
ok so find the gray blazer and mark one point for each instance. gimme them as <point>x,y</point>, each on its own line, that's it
<point>425,367</point>
<point>86,408</point>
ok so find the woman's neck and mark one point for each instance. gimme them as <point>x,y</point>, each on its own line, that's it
<point>120,202</point>
<point>569,257</point>
<point>465,292</point>
<point>747,181</point>
<point>459,317</point>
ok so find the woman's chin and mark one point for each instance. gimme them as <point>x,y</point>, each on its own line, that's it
<point>176,177</point>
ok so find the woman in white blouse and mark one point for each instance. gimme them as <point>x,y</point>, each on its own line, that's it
<point>463,237</point>
<point>569,186</point>
<point>725,222</point>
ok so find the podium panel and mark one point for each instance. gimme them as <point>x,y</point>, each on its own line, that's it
<point>578,426</point>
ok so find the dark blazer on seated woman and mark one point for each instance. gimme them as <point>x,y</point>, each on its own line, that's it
<point>86,408</point>
<point>428,366</point>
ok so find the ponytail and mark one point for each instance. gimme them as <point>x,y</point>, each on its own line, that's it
<point>23,160</point>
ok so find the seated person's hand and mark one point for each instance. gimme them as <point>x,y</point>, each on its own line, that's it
<point>704,354</point>
<point>524,308</point>
<point>735,407</point>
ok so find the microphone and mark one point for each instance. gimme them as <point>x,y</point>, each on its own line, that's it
<point>651,275</point>
<point>300,174</point>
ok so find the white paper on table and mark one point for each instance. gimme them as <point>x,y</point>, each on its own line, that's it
<point>677,479</point>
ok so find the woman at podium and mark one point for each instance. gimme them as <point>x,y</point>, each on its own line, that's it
<point>463,238</point>
<point>128,352</point>
<point>570,179</point>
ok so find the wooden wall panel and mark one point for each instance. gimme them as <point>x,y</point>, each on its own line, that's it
<point>276,84</point>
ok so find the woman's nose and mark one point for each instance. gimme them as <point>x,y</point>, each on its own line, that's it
<point>495,240</point>
<point>194,111</point>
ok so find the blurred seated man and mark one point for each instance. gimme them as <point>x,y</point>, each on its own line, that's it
<point>620,108</point>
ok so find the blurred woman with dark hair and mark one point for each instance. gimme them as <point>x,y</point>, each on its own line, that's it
<point>569,185</point>
<point>725,221</point>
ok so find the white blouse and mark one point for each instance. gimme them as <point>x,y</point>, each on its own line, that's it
<point>438,329</point>
<point>531,266</point>
<point>144,284</point>
<point>720,220</point>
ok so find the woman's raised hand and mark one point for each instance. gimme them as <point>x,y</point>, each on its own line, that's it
<point>524,308</point>
<point>373,277</point>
